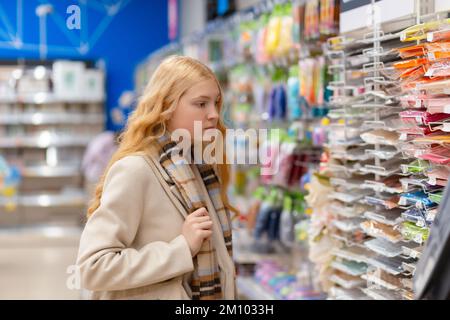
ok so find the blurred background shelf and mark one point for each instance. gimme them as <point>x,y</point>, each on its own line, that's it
<point>50,171</point>
<point>49,118</point>
<point>251,290</point>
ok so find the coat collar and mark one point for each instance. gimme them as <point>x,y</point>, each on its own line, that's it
<point>152,157</point>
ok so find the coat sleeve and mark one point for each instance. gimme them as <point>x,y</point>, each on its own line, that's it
<point>105,259</point>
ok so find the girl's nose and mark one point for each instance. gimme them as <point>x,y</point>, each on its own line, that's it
<point>213,114</point>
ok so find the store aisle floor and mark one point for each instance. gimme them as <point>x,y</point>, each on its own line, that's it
<point>34,262</point>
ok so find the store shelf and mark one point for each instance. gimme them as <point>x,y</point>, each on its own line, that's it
<point>348,294</point>
<point>49,118</point>
<point>45,98</point>
<point>350,267</point>
<point>40,235</point>
<point>346,281</point>
<point>68,199</point>
<point>383,294</point>
<point>51,172</point>
<point>357,254</point>
<point>44,141</point>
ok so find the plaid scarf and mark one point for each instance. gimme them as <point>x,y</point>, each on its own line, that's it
<point>205,284</point>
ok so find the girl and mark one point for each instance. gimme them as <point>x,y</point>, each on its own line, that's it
<point>158,229</point>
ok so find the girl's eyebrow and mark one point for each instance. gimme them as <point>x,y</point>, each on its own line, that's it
<point>205,97</point>
<point>202,97</point>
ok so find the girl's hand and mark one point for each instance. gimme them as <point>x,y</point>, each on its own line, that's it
<point>196,228</point>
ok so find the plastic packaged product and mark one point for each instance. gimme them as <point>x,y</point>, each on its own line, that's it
<point>438,138</point>
<point>347,183</point>
<point>346,281</point>
<point>418,199</point>
<point>285,37</point>
<point>384,279</point>
<point>414,129</point>
<point>438,50</point>
<point>380,230</point>
<point>390,184</point>
<point>273,34</point>
<point>355,154</point>
<point>419,31</point>
<point>438,176</point>
<point>416,216</point>
<point>348,167</point>
<point>328,17</point>
<point>407,284</point>
<point>347,210</point>
<point>386,200</point>
<point>431,214</point>
<point>409,267</point>
<point>390,122</point>
<point>261,55</point>
<point>386,168</point>
<point>412,51</point>
<point>418,166</point>
<point>405,64</point>
<point>353,238</point>
<point>390,265</point>
<point>422,117</point>
<point>436,197</point>
<point>383,152</point>
<point>341,132</point>
<point>411,101</point>
<point>438,35</point>
<point>347,225</point>
<point>434,86</point>
<point>439,69</point>
<point>413,183</point>
<point>293,86</point>
<point>384,247</point>
<point>377,293</point>
<point>354,253</point>
<point>388,217</point>
<point>350,267</point>
<point>412,250</point>
<point>434,104</point>
<point>437,154</point>
<point>349,197</point>
<point>410,76</point>
<point>412,232</point>
<point>312,20</point>
<point>381,136</point>
<point>338,293</point>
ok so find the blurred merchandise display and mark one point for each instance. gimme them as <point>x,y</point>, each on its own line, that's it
<point>49,113</point>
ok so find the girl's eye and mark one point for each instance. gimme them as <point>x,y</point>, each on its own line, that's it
<point>202,104</point>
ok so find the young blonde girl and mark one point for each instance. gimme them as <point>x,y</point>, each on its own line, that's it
<point>157,228</point>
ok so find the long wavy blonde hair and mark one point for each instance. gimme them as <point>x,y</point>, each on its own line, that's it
<point>173,77</point>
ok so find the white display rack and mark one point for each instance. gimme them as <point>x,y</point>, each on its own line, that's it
<point>45,98</point>
<point>44,133</point>
<point>358,114</point>
<point>75,198</point>
<point>51,171</point>
<point>45,141</point>
<point>39,118</point>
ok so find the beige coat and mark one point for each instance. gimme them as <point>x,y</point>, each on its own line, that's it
<point>132,246</point>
